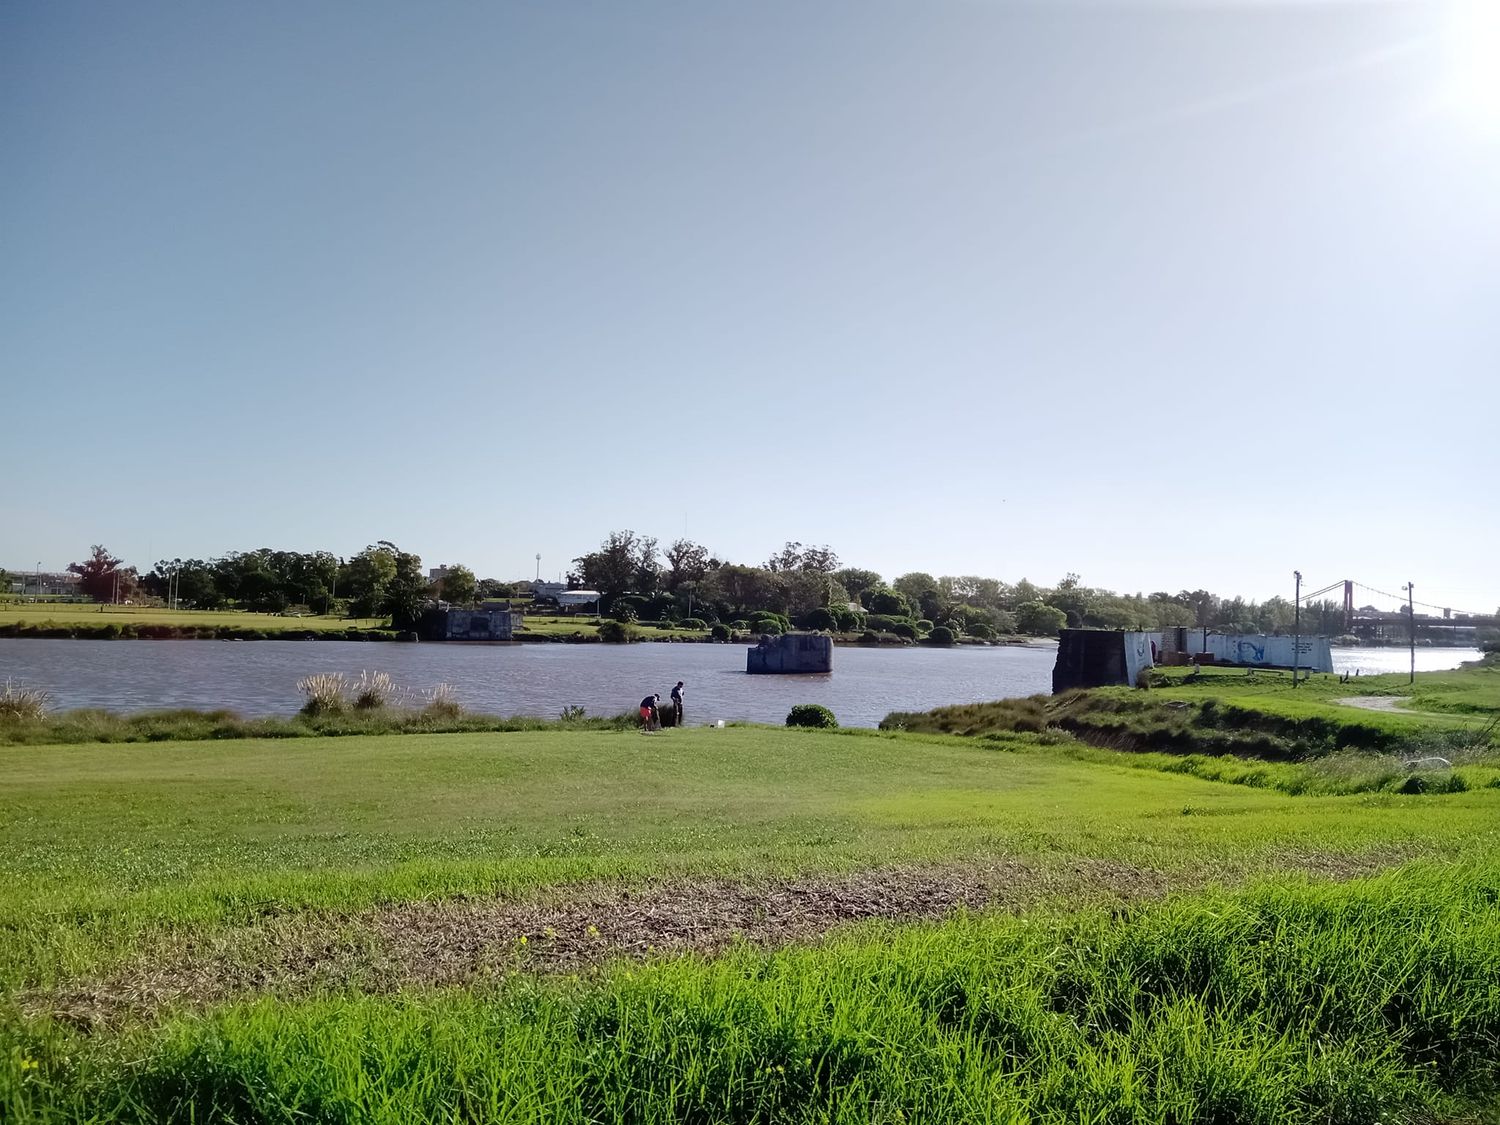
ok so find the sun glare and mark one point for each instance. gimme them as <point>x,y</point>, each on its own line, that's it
<point>1473,64</point>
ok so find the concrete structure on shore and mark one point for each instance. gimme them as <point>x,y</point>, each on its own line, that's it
<point>1101,658</point>
<point>490,623</point>
<point>792,654</point>
<point>1104,657</point>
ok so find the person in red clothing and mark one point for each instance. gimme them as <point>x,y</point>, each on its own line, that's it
<point>648,711</point>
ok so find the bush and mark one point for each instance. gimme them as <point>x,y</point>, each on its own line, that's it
<point>819,619</point>
<point>846,619</point>
<point>442,703</point>
<point>869,637</point>
<point>1040,619</point>
<point>811,715</point>
<point>325,693</point>
<point>905,629</point>
<point>616,633</point>
<point>768,625</point>
<point>18,702</point>
<point>982,631</point>
<point>940,635</point>
<point>372,690</point>
<point>883,599</point>
<point>923,625</point>
<point>692,623</point>
<point>625,613</point>
<point>720,632</point>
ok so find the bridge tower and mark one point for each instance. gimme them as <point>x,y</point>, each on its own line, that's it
<point>1348,606</point>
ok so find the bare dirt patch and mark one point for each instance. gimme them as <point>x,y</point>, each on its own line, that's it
<point>1385,703</point>
<point>462,941</point>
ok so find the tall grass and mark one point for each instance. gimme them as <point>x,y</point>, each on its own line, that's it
<point>1367,1002</point>
<point>440,714</point>
<point>22,703</point>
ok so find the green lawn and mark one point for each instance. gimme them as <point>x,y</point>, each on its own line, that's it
<point>1263,1006</point>
<point>127,838</point>
<point>80,614</point>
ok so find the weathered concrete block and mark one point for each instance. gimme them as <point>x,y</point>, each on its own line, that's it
<point>795,653</point>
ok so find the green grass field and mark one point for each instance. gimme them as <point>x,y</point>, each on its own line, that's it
<point>545,925</point>
<point>59,613</point>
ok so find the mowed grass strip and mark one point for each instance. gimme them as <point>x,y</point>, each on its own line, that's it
<point>1356,1004</point>
<point>76,613</point>
<point>104,848</point>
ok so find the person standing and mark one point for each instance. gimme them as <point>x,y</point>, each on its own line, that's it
<point>677,704</point>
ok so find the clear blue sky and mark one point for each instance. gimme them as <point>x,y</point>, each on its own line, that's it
<point>1167,294</point>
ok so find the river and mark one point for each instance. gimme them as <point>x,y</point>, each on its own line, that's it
<point>260,677</point>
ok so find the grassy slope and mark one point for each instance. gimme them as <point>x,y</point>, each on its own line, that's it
<point>1282,1005</point>
<point>101,845</point>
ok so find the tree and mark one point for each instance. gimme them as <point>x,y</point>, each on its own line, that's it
<point>624,561</point>
<point>916,584</point>
<point>459,585</point>
<point>1205,607</point>
<point>857,581</point>
<point>794,556</point>
<point>884,600</point>
<point>745,589</point>
<point>367,577</point>
<point>103,577</point>
<point>1072,597</point>
<point>686,561</point>
<point>494,588</point>
<point>987,592</point>
<point>407,594</point>
<point>1039,619</point>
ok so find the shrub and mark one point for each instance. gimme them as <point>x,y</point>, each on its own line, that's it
<point>846,619</point>
<point>571,714</point>
<point>811,715</point>
<point>442,702</point>
<point>720,632</point>
<point>18,702</point>
<point>905,629</point>
<point>325,693</point>
<point>882,599</point>
<point>1040,619</point>
<point>768,625</point>
<point>982,631</point>
<point>625,613</point>
<point>739,625</point>
<point>940,635</point>
<point>869,637</point>
<point>819,619</point>
<point>372,690</point>
<point>615,633</point>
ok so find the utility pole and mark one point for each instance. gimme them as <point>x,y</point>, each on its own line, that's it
<point>1296,626</point>
<point>1411,625</point>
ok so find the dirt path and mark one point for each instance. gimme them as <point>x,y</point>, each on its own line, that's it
<point>1376,703</point>
<point>464,940</point>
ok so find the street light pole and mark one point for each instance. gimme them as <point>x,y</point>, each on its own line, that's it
<point>1411,626</point>
<point>1296,626</point>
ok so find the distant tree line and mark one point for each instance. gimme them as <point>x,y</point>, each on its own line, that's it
<point>798,586</point>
